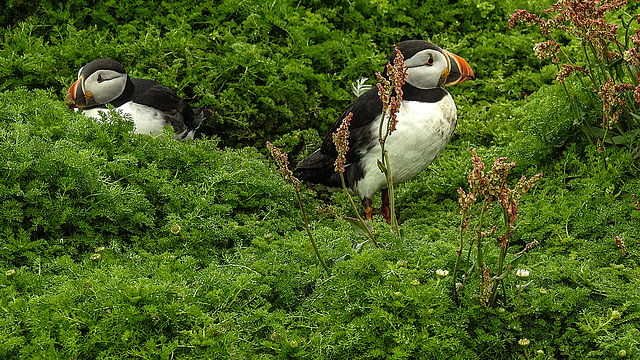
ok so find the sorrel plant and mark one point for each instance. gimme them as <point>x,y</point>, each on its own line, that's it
<point>606,63</point>
<point>390,92</point>
<point>282,159</point>
<point>489,190</point>
<point>341,141</point>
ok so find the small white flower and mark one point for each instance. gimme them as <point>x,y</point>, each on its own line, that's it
<point>523,274</point>
<point>524,342</point>
<point>442,273</point>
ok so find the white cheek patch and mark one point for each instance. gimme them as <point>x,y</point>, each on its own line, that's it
<point>108,89</point>
<point>424,77</point>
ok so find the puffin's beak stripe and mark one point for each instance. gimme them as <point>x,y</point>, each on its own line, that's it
<point>460,70</point>
<point>446,72</point>
<point>76,93</point>
<point>71,93</point>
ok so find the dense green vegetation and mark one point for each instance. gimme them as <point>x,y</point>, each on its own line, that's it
<point>116,245</point>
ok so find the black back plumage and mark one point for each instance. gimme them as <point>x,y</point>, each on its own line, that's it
<point>318,167</point>
<point>177,111</point>
<point>174,110</point>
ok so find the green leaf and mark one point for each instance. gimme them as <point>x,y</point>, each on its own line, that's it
<point>359,227</point>
<point>516,261</point>
<point>342,258</point>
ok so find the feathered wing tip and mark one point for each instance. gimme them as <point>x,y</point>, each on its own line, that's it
<point>318,168</point>
<point>314,162</point>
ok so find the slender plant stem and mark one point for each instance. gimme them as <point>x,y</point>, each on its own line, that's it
<point>355,209</point>
<point>503,255</point>
<point>600,64</point>
<point>386,169</point>
<point>459,254</point>
<point>394,221</point>
<point>583,126</point>
<point>479,260</point>
<point>590,75</point>
<point>494,290</point>
<point>469,253</point>
<point>313,241</point>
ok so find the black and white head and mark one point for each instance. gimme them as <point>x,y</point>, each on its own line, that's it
<point>99,82</point>
<point>429,66</point>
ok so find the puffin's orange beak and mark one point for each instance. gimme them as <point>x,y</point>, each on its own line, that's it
<point>459,70</point>
<point>75,96</point>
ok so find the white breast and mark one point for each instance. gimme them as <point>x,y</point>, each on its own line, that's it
<point>423,131</point>
<point>146,120</point>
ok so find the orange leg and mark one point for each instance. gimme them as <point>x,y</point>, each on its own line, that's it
<point>368,213</point>
<point>368,209</point>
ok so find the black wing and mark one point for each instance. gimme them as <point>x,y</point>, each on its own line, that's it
<point>180,114</point>
<point>365,110</point>
<point>318,167</point>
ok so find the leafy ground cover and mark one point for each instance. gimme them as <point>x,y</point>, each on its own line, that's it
<point>116,245</point>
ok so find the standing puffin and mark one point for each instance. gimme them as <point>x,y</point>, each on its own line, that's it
<point>151,105</point>
<point>426,121</point>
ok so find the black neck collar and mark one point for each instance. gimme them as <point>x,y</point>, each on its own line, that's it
<point>412,93</point>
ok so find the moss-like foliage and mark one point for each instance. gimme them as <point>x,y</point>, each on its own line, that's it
<point>71,183</point>
<point>115,245</point>
<point>265,69</point>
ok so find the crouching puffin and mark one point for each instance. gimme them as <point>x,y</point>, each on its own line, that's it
<point>151,105</point>
<point>426,121</point>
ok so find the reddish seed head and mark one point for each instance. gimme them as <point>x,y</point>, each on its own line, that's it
<point>341,141</point>
<point>390,90</point>
<point>282,159</point>
<point>493,187</point>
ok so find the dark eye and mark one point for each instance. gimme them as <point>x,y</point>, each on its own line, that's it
<point>430,61</point>
<point>100,78</point>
